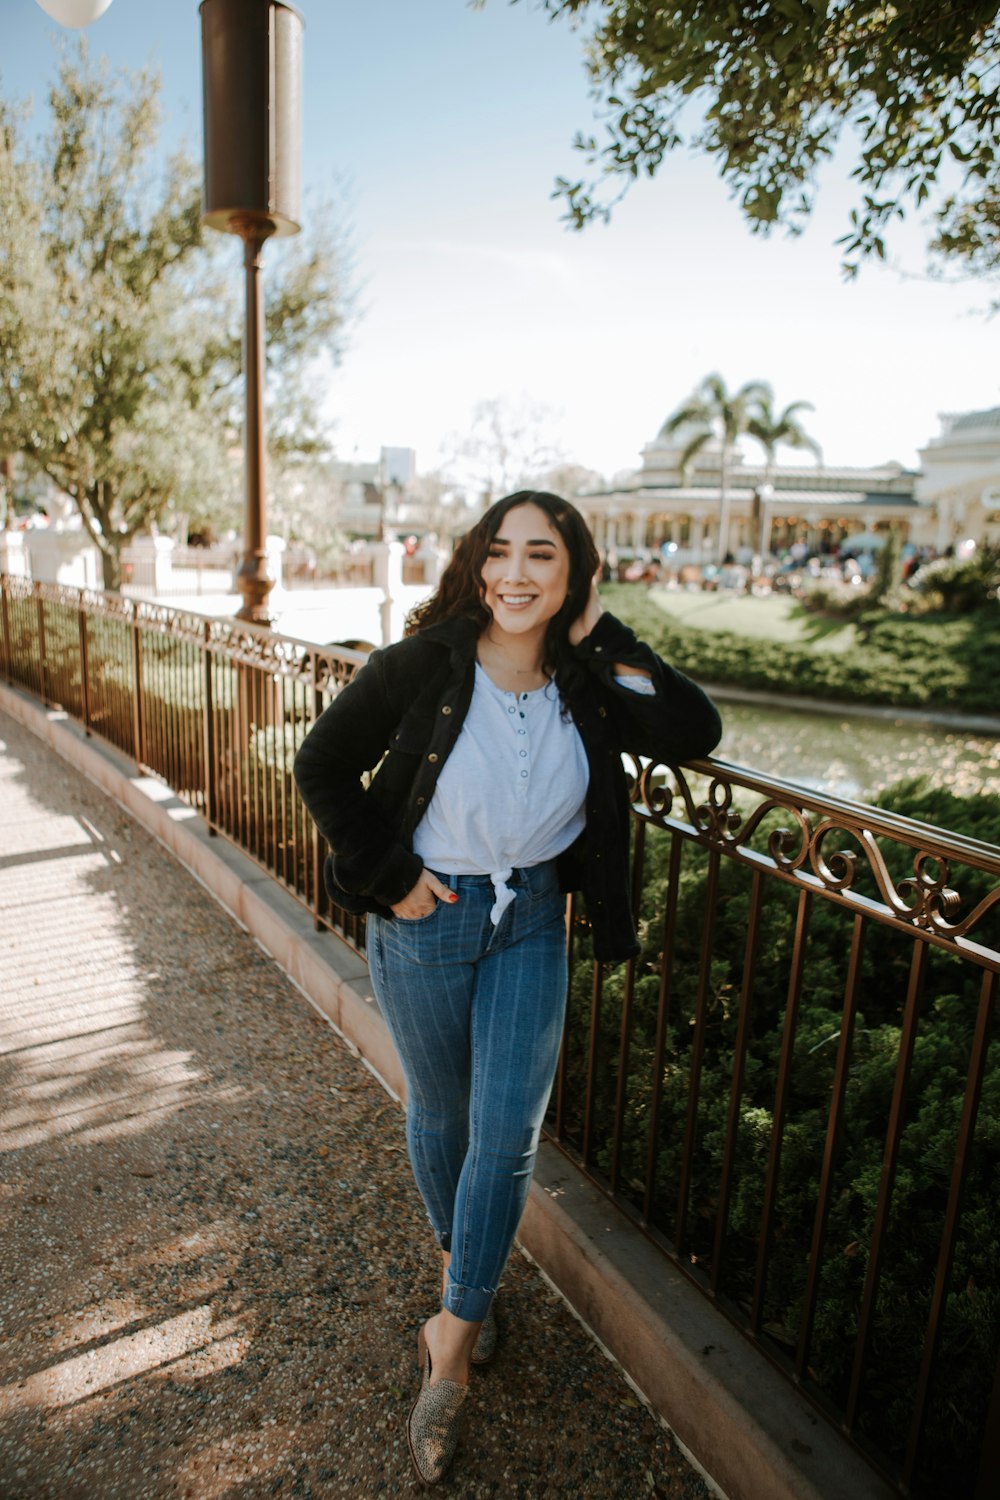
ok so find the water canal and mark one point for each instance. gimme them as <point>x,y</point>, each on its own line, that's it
<point>853,756</point>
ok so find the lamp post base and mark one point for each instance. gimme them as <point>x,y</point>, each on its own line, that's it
<point>255,586</point>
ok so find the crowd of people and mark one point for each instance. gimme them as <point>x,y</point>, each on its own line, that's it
<point>787,571</point>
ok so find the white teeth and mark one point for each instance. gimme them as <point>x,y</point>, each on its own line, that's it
<point>516,598</point>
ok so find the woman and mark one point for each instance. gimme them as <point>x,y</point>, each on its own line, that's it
<point>497,728</point>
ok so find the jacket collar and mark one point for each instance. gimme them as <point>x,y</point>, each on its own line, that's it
<point>459,634</point>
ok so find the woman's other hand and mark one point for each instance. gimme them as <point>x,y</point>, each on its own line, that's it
<point>584,624</point>
<point>420,902</point>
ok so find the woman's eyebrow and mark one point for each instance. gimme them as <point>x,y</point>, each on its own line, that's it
<point>543,541</point>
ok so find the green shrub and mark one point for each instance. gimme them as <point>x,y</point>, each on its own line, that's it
<point>934,661</point>
<point>946,1019</point>
<point>961,585</point>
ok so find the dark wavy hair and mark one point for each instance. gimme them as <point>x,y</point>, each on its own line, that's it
<point>460,591</point>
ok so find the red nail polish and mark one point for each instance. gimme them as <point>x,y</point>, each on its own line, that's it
<point>453,897</point>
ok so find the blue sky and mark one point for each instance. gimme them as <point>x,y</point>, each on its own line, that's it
<point>439,130</point>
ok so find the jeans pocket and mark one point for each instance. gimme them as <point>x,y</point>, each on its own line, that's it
<point>418,921</point>
<point>542,884</point>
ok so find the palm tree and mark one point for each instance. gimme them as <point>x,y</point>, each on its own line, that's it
<point>714,412</point>
<point>770,430</point>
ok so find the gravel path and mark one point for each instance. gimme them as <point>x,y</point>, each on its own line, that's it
<point>214,1260</point>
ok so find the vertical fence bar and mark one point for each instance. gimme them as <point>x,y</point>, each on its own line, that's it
<point>241,728</point>
<point>697,1049</point>
<point>739,1070</point>
<point>253,761</point>
<point>780,1108</point>
<point>831,1145</point>
<point>257,727</point>
<point>191,726</point>
<point>173,701</point>
<point>266,739</point>
<point>317,861</point>
<point>593,1039</point>
<point>625,1030</point>
<point>137,706</point>
<point>208,729</point>
<point>283,836</point>
<point>8,644</point>
<point>276,724</point>
<point>250,760</point>
<point>81,615</point>
<point>224,720</point>
<point>43,673</point>
<point>152,703</point>
<point>918,971</point>
<point>662,1025</point>
<point>966,1128</point>
<point>298,856</point>
<point>559,1091</point>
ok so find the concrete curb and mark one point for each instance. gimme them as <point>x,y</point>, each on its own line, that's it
<point>738,1420</point>
<point>840,709</point>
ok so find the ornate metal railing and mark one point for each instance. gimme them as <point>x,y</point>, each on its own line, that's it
<point>793,1090</point>
<point>216,707</point>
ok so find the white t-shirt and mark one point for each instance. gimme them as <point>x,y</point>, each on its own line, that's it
<point>511,793</point>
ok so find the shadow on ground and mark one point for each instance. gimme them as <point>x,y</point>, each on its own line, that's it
<point>215,1263</point>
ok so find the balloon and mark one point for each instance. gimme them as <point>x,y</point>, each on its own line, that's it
<point>74,12</point>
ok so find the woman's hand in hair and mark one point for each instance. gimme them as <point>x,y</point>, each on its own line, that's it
<point>423,898</point>
<point>584,624</point>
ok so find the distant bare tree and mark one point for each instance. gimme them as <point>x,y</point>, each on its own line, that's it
<point>508,445</point>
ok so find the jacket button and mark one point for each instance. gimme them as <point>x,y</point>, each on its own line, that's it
<point>432,758</point>
<point>446,709</point>
<point>421,801</point>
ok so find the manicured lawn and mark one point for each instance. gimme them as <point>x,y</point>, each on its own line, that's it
<point>940,661</point>
<point>775,617</point>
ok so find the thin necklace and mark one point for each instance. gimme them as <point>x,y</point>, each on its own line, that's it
<point>518,671</point>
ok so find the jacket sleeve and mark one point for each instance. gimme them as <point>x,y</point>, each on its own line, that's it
<point>347,741</point>
<point>678,722</point>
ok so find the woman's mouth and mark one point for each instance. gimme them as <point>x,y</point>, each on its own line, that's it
<point>516,601</point>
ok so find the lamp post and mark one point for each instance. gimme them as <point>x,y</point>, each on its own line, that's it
<point>252,65</point>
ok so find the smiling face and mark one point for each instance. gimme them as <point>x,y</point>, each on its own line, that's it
<point>526,572</point>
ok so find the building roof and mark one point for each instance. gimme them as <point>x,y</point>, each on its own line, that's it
<point>648,495</point>
<point>973,421</point>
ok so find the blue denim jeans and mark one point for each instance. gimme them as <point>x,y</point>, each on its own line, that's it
<point>476,1014</point>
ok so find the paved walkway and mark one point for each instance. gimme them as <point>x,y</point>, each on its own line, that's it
<point>214,1262</point>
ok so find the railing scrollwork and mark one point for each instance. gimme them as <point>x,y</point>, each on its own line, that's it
<point>735,814</point>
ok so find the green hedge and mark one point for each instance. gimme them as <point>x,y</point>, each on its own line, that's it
<point>935,661</point>
<point>947,1014</point>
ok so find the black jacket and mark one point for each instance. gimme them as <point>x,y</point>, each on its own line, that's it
<point>402,713</point>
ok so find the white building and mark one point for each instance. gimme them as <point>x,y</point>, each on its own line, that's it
<point>960,478</point>
<point>955,495</point>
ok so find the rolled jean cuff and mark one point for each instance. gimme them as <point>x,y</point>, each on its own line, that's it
<point>470,1303</point>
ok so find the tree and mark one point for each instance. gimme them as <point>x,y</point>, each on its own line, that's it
<point>506,448</point>
<point>713,413</point>
<point>775,83</point>
<point>120,344</point>
<point>773,430</point>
